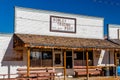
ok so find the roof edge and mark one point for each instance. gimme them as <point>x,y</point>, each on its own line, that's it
<point>50,11</point>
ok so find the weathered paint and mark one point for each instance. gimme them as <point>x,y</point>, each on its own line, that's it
<point>31,21</point>
<point>103,58</point>
<point>9,65</point>
<point>113,31</point>
<point>102,54</point>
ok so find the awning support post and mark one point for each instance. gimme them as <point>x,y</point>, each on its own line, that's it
<point>87,65</point>
<point>115,64</point>
<point>28,62</point>
<point>64,65</point>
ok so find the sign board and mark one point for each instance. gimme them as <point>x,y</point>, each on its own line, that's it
<point>62,24</point>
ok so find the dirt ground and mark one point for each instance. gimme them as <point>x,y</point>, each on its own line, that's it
<point>90,78</point>
<point>79,78</point>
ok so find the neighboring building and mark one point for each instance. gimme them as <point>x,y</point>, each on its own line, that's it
<point>54,39</point>
<point>113,31</point>
<point>114,36</point>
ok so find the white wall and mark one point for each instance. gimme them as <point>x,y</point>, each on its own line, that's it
<point>6,51</point>
<point>31,21</point>
<point>113,31</point>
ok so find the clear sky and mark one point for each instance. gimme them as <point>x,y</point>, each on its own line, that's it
<point>108,9</point>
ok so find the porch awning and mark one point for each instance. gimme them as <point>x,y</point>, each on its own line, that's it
<point>116,41</point>
<point>30,40</point>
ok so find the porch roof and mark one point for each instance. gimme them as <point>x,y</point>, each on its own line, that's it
<point>116,41</point>
<point>67,42</point>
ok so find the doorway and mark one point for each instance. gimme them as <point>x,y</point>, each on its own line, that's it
<point>69,61</point>
<point>118,59</point>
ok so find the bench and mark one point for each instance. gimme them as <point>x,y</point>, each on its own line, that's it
<point>81,71</point>
<point>38,73</point>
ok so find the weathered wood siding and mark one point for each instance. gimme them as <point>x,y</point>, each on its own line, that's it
<point>113,31</point>
<point>31,21</point>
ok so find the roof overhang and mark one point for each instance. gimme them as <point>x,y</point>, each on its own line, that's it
<point>42,41</point>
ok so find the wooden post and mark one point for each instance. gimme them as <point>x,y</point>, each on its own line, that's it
<point>64,64</point>
<point>115,63</point>
<point>28,62</point>
<point>53,57</point>
<point>87,65</point>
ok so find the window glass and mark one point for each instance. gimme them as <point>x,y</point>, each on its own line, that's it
<point>57,59</point>
<point>35,55</point>
<point>40,58</point>
<point>79,55</point>
<point>47,55</point>
<point>68,53</point>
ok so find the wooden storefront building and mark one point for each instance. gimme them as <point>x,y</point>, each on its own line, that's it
<point>114,36</point>
<point>65,52</point>
<point>58,40</point>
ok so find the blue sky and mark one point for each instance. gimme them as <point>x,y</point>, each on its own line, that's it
<point>108,9</point>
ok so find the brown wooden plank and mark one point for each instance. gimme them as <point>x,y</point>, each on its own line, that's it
<point>28,61</point>
<point>64,64</point>
<point>87,65</point>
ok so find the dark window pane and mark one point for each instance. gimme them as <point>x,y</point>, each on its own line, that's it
<point>47,55</point>
<point>68,53</point>
<point>57,59</point>
<point>35,58</point>
<point>79,55</point>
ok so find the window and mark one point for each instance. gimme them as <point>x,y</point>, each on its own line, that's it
<point>80,58</point>
<point>80,55</point>
<point>118,59</point>
<point>40,58</point>
<point>35,55</point>
<point>57,58</point>
<point>46,55</point>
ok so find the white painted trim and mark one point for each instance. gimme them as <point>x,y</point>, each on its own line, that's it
<point>113,26</point>
<point>101,58</point>
<point>6,34</point>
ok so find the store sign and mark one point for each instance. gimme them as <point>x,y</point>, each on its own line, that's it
<point>62,24</point>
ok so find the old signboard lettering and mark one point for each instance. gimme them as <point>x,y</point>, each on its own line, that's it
<point>62,24</point>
